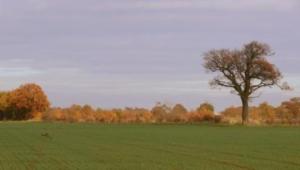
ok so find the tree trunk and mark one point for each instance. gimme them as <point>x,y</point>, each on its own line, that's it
<point>245,111</point>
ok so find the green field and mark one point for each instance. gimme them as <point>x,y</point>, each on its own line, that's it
<point>130,147</point>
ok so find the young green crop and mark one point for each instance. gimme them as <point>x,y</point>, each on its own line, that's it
<point>153,147</point>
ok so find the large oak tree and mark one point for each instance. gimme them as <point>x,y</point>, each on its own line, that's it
<point>244,70</point>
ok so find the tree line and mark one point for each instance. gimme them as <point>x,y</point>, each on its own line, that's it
<point>160,113</point>
<point>29,102</point>
<point>245,71</point>
<point>286,113</point>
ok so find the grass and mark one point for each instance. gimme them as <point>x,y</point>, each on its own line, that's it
<point>153,147</point>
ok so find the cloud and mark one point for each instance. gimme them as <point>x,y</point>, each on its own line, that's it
<point>18,72</point>
<point>272,5</point>
<point>9,7</point>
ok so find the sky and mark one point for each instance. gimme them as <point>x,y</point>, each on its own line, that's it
<point>138,52</point>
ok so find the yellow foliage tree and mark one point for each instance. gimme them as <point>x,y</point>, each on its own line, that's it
<point>27,100</point>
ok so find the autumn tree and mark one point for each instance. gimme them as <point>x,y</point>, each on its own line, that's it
<point>245,71</point>
<point>290,110</point>
<point>206,106</point>
<point>128,115</point>
<point>161,112</point>
<point>88,113</point>
<point>145,116</point>
<point>179,109</point>
<point>178,113</point>
<point>206,110</point>
<point>4,105</point>
<point>27,100</point>
<point>54,114</point>
<point>267,112</point>
<point>231,114</point>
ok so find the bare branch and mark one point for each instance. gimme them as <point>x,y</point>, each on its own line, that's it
<point>245,71</point>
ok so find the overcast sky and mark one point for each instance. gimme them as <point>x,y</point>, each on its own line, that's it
<point>138,52</point>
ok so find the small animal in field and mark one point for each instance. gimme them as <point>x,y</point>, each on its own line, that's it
<point>46,134</point>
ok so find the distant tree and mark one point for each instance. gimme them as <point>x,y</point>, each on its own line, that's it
<point>128,115</point>
<point>161,112</point>
<point>231,114</point>
<point>245,71</point>
<point>291,109</point>
<point>179,109</point>
<point>178,114</point>
<point>54,114</point>
<point>206,106</point>
<point>267,112</point>
<point>206,111</point>
<point>74,114</point>
<point>27,100</point>
<point>4,113</point>
<point>88,113</point>
<point>106,116</point>
<point>117,111</point>
<point>145,116</point>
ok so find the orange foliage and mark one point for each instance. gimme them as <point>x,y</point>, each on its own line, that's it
<point>145,117</point>
<point>26,100</point>
<point>54,114</point>
<point>128,117</point>
<point>267,113</point>
<point>30,102</point>
<point>289,111</point>
<point>232,114</point>
<point>106,116</point>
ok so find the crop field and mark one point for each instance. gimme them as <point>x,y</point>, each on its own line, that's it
<point>65,146</point>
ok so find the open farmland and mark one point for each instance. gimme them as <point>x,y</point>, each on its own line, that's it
<point>174,147</point>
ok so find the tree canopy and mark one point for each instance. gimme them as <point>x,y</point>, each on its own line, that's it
<point>27,100</point>
<point>244,70</point>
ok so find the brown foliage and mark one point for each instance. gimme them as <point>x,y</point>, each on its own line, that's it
<point>4,114</point>
<point>232,115</point>
<point>244,71</point>
<point>30,102</point>
<point>27,100</point>
<point>161,113</point>
<point>106,116</point>
<point>205,112</point>
<point>289,111</point>
<point>54,114</point>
